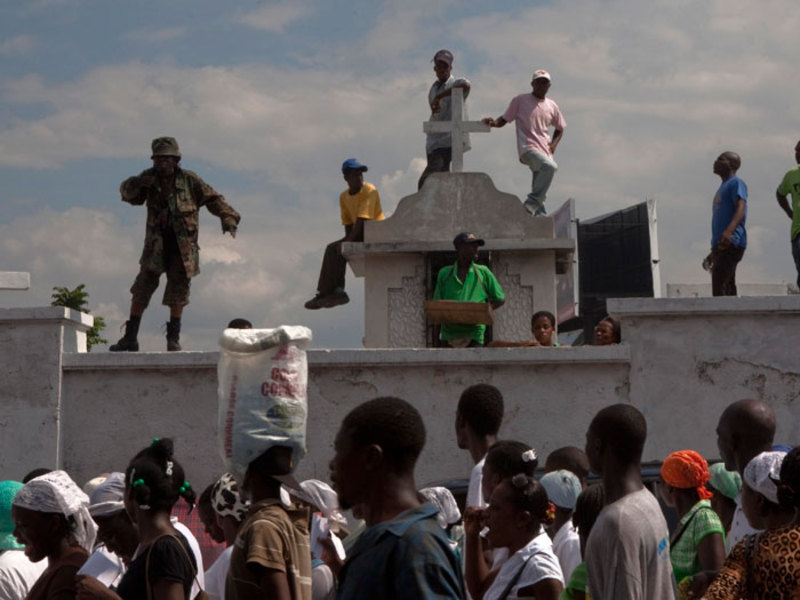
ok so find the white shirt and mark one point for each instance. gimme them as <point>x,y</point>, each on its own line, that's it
<point>18,574</point>
<point>567,547</point>
<point>198,557</point>
<point>217,574</point>
<point>543,564</point>
<point>474,493</point>
<point>739,527</point>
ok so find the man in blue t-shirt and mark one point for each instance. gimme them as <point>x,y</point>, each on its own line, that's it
<point>728,234</point>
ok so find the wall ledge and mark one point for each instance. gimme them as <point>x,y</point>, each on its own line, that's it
<point>48,314</point>
<point>367,357</point>
<point>637,307</point>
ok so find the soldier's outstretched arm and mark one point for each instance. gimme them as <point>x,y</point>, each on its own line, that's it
<point>216,205</point>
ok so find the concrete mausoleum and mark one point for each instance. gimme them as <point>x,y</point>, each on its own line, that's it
<point>397,258</point>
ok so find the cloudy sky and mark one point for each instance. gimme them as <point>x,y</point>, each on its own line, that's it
<point>267,98</point>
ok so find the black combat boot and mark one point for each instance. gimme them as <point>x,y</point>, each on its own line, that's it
<point>128,343</point>
<point>173,335</point>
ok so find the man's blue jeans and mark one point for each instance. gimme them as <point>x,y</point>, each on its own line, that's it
<point>543,168</point>
<point>796,256</point>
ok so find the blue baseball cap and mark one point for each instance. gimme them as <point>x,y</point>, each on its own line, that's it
<point>352,164</point>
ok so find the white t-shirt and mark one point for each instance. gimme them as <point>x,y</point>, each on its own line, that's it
<point>198,557</point>
<point>537,561</point>
<point>567,547</point>
<point>323,584</point>
<point>474,493</point>
<point>627,554</point>
<point>18,574</point>
<point>740,527</point>
<point>217,574</point>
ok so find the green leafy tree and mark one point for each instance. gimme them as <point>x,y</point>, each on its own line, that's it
<point>78,299</point>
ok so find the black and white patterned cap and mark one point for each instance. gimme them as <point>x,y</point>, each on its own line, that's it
<point>226,500</point>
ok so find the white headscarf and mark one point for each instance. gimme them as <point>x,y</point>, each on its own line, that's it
<point>762,473</point>
<point>321,495</point>
<point>108,498</point>
<point>443,499</point>
<point>56,493</point>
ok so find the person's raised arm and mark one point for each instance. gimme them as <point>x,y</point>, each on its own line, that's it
<point>477,575</point>
<point>784,204</point>
<point>133,189</point>
<point>738,216</point>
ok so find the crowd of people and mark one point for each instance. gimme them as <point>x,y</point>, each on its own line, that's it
<point>586,525</point>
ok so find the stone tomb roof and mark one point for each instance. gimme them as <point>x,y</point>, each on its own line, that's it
<point>448,204</point>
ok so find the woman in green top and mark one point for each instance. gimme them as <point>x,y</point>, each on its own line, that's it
<point>698,543</point>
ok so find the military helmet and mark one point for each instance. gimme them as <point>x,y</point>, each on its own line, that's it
<point>166,146</point>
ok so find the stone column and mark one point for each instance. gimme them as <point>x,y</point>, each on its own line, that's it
<point>32,341</point>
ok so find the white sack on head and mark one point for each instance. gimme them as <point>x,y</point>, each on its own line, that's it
<point>262,389</point>
<point>443,499</point>
<point>321,495</point>
<point>55,492</point>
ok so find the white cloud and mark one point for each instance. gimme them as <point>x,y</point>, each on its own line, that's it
<point>274,18</point>
<point>17,45</point>
<point>155,35</point>
<point>651,95</point>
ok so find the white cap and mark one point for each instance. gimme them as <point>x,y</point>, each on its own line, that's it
<point>762,473</point>
<point>541,74</point>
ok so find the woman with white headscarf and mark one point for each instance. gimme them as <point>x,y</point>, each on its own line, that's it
<point>326,518</point>
<point>51,515</point>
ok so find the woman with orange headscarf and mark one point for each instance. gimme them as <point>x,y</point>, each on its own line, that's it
<point>698,543</point>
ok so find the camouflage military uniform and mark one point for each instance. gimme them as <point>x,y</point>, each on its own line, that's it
<point>170,244</point>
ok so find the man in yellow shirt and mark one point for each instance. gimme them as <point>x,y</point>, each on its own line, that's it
<point>358,203</point>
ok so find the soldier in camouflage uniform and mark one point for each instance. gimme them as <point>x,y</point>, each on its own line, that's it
<point>173,197</point>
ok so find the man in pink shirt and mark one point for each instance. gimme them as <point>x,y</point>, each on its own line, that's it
<point>533,115</point>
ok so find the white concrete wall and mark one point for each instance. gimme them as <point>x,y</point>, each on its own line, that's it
<point>115,403</point>
<point>681,362</point>
<point>691,357</point>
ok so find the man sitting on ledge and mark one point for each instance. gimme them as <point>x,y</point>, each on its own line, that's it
<point>359,203</point>
<point>466,281</point>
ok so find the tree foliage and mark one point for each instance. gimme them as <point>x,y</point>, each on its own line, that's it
<point>78,299</point>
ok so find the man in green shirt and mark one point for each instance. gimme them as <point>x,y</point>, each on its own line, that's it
<point>466,281</point>
<point>791,185</point>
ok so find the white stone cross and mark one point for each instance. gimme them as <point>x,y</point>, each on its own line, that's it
<point>457,127</point>
<point>15,280</point>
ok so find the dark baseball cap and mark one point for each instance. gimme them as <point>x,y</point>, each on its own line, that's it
<point>352,164</point>
<point>444,56</point>
<point>465,237</point>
